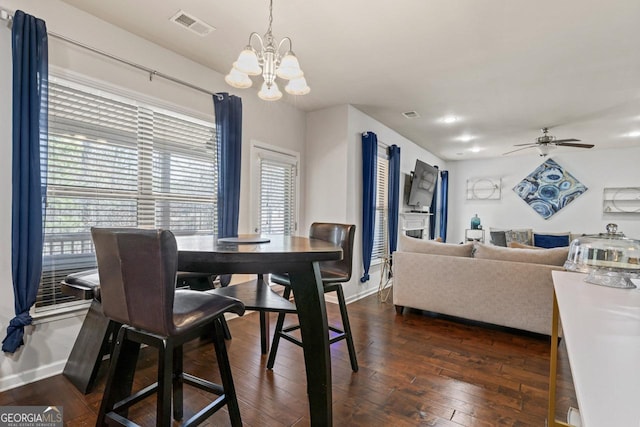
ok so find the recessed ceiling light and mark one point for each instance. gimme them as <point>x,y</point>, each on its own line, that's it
<point>475,149</point>
<point>634,134</point>
<point>448,120</point>
<point>465,138</point>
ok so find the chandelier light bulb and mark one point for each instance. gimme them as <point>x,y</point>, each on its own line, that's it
<point>298,87</point>
<point>270,93</point>
<point>238,79</point>
<point>248,63</point>
<point>289,67</point>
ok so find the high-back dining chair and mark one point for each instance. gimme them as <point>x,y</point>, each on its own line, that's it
<point>138,270</point>
<point>333,274</point>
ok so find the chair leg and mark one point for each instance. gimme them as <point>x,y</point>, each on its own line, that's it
<point>91,344</point>
<point>165,382</point>
<point>347,328</point>
<point>276,333</point>
<point>178,383</point>
<point>225,375</point>
<point>123,364</point>
<point>225,328</point>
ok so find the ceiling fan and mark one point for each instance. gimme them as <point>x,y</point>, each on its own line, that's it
<point>546,143</point>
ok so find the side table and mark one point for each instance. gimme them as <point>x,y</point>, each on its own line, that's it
<point>474,235</point>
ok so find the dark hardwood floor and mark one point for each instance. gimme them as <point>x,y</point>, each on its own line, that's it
<point>414,370</point>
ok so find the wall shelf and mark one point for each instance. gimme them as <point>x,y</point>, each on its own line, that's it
<point>621,200</point>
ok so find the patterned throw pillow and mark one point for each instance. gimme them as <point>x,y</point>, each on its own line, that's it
<point>524,236</point>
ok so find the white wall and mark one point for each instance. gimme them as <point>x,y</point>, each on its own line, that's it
<point>594,168</point>
<point>277,124</point>
<point>334,175</point>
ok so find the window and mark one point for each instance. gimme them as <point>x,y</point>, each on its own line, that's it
<point>275,191</point>
<point>380,238</point>
<point>113,161</point>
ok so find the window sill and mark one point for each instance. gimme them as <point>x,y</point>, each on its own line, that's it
<point>58,313</point>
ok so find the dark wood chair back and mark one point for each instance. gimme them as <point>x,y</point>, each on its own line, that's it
<point>137,276</point>
<point>342,235</point>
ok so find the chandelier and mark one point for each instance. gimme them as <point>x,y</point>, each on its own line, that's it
<point>270,60</point>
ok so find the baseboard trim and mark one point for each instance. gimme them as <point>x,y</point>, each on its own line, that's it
<point>333,299</point>
<point>32,375</point>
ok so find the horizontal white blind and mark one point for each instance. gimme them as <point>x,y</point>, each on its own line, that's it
<point>277,196</point>
<point>380,233</point>
<point>185,175</point>
<point>116,163</point>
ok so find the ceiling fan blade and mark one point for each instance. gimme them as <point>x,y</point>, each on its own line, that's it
<point>565,140</point>
<point>522,145</point>
<point>568,144</point>
<point>519,149</point>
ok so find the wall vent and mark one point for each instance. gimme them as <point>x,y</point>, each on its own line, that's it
<point>192,23</point>
<point>411,114</point>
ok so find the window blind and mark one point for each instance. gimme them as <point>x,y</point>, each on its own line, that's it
<point>113,162</point>
<point>277,196</point>
<point>380,237</point>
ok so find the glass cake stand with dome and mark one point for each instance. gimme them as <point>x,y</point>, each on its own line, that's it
<point>610,258</point>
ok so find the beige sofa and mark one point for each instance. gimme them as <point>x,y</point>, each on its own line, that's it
<point>502,286</point>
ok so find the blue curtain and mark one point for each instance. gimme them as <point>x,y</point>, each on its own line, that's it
<point>369,170</point>
<point>228,110</point>
<point>30,86</point>
<point>432,211</point>
<point>394,196</point>
<point>444,203</point>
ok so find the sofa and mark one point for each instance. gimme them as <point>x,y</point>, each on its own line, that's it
<point>502,286</point>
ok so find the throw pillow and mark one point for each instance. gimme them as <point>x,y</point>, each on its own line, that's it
<point>555,256</point>
<point>523,236</point>
<point>498,238</point>
<point>410,244</point>
<point>551,240</point>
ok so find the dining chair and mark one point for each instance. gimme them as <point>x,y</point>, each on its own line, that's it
<point>137,272</point>
<point>257,295</point>
<point>96,338</point>
<point>333,274</point>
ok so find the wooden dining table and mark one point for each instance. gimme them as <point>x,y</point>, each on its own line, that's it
<point>298,256</point>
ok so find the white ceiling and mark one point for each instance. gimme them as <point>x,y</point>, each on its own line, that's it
<point>505,68</point>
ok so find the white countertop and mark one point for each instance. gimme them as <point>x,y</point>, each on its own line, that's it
<point>601,328</point>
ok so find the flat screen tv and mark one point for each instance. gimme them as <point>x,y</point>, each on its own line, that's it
<point>423,185</point>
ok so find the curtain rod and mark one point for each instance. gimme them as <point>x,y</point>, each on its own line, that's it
<point>6,15</point>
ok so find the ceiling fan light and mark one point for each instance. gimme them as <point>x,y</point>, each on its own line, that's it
<point>238,79</point>
<point>248,62</point>
<point>270,93</point>
<point>545,149</point>
<point>289,67</point>
<point>298,87</point>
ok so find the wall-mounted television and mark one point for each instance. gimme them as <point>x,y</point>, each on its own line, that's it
<point>423,185</point>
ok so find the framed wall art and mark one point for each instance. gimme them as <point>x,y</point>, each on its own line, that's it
<point>485,188</point>
<point>549,188</point>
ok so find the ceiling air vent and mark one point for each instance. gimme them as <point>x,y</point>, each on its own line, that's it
<point>411,114</point>
<point>192,23</point>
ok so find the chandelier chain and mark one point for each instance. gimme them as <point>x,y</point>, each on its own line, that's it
<point>270,16</point>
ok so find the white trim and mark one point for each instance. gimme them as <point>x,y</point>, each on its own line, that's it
<point>259,150</point>
<point>353,298</point>
<point>59,312</point>
<point>36,374</point>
